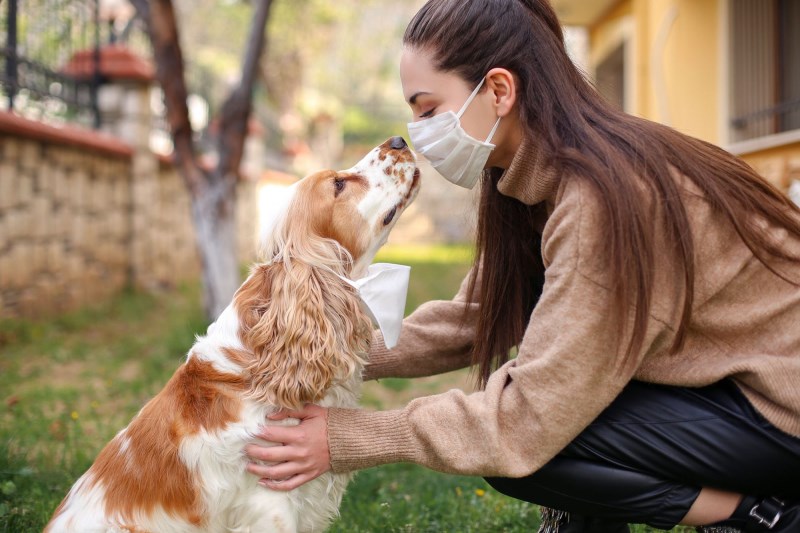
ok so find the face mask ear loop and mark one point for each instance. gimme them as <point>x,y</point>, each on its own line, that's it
<point>470,99</point>
<point>491,133</point>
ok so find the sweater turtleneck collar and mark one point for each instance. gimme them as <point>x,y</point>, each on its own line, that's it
<point>531,177</point>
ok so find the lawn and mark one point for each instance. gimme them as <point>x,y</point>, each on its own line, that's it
<point>70,383</point>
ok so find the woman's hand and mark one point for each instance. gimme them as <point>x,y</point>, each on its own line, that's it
<point>304,453</point>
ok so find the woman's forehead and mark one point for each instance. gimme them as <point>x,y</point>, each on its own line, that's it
<point>418,75</point>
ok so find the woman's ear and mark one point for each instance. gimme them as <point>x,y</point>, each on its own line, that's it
<point>503,84</point>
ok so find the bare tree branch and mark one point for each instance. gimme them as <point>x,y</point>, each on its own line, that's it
<point>142,9</point>
<point>213,192</point>
<point>159,16</point>
<point>236,109</point>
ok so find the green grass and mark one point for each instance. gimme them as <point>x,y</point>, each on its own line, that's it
<point>70,383</point>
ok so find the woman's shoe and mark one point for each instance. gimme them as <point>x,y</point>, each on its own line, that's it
<point>774,516</point>
<point>766,515</point>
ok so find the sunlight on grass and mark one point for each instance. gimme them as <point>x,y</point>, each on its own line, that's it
<point>437,254</point>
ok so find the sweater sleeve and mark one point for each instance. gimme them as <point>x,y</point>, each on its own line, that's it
<point>567,371</point>
<point>434,339</point>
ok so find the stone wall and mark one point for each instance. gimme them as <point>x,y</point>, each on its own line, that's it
<point>64,229</point>
<point>82,216</point>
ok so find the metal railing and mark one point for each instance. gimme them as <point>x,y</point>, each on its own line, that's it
<point>50,56</point>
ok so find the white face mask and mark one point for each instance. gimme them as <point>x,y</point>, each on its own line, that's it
<point>449,149</point>
<point>383,291</point>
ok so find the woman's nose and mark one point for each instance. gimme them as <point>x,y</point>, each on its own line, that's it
<point>397,143</point>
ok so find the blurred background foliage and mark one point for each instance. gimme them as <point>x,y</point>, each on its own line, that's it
<point>330,87</point>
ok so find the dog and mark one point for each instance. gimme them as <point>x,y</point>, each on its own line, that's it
<point>295,333</point>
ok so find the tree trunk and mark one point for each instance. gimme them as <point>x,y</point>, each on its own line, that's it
<point>214,215</point>
<point>213,192</point>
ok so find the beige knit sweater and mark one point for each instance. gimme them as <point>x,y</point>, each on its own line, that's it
<point>745,325</point>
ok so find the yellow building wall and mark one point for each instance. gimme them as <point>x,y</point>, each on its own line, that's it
<point>675,68</point>
<point>675,60</point>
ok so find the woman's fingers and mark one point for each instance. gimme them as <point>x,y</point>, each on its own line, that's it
<point>281,415</point>
<point>270,454</point>
<point>283,476</point>
<point>277,472</point>
<point>282,434</point>
<point>308,409</point>
<point>301,454</point>
<point>287,484</point>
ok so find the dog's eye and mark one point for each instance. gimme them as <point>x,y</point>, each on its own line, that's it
<point>338,186</point>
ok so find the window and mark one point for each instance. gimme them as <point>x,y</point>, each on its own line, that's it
<point>764,40</point>
<point>610,74</point>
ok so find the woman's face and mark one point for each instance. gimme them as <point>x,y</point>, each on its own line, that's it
<point>429,91</point>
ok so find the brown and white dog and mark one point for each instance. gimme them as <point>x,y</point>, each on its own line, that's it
<point>294,333</point>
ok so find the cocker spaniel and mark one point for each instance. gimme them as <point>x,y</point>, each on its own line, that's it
<point>295,333</point>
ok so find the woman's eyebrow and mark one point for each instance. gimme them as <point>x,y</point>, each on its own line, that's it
<point>413,99</point>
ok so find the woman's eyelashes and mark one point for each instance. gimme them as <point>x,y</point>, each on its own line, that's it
<point>427,114</point>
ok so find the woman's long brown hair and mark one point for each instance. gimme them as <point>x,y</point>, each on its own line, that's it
<point>591,141</point>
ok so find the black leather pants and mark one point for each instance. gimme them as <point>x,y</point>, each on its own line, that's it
<point>646,457</point>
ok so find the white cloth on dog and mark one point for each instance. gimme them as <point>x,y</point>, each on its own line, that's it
<point>383,291</point>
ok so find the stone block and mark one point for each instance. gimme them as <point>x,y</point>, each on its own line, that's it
<point>120,255</point>
<point>90,235</point>
<point>56,257</point>
<point>79,188</point>
<point>77,233</point>
<point>61,156</point>
<point>19,267</point>
<point>8,186</point>
<point>104,254</point>
<point>5,270</point>
<point>144,166</point>
<point>41,217</point>
<point>24,185</point>
<point>30,155</point>
<point>143,194</point>
<point>96,276</point>
<point>58,227</point>
<point>59,187</point>
<point>119,193</point>
<point>97,196</point>
<point>117,224</point>
<point>18,224</point>
<point>10,147</point>
<point>110,257</point>
<point>38,258</point>
<point>44,179</point>
<point>75,264</point>
<point>5,238</point>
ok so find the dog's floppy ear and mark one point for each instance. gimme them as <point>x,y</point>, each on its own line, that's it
<point>303,329</point>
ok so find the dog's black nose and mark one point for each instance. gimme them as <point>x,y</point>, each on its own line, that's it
<point>397,143</point>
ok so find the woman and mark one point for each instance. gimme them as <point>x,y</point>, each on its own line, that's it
<point>648,280</point>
